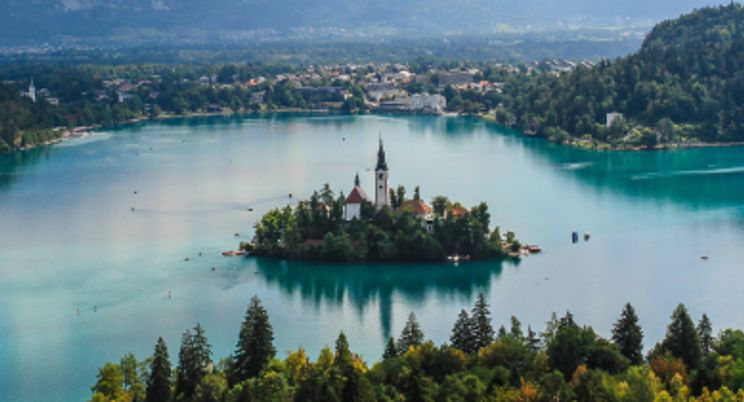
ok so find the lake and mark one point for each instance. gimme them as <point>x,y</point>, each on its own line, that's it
<point>86,279</point>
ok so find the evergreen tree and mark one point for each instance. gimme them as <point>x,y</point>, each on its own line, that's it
<point>705,332</point>
<point>412,334</point>
<point>390,350</point>
<point>482,329</point>
<point>343,358</point>
<point>533,342</point>
<point>628,335</point>
<point>516,328</point>
<point>462,333</point>
<point>194,360</point>
<point>158,383</point>
<point>255,346</point>
<point>682,339</point>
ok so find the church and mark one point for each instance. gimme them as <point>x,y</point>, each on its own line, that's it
<point>353,205</point>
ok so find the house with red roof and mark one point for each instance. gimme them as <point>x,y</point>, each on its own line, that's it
<point>420,209</point>
<point>353,204</point>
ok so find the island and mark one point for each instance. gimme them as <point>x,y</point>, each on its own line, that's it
<point>388,227</point>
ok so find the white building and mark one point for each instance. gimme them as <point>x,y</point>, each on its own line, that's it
<point>426,103</point>
<point>611,117</point>
<point>353,205</point>
<point>31,93</point>
<point>382,191</point>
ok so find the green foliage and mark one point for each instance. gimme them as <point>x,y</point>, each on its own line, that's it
<point>315,229</point>
<point>194,362</point>
<point>255,346</point>
<point>574,364</point>
<point>463,336</point>
<point>159,380</point>
<point>412,335</point>
<point>109,385</point>
<point>628,336</point>
<point>481,317</point>
<point>685,74</point>
<point>682,339</point>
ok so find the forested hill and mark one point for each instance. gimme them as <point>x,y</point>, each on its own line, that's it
<point>686,83</point>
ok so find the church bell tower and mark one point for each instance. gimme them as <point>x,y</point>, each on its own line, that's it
<point>382,191</point>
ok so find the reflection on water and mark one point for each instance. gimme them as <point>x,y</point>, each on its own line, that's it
<point>12,165</point>
<point>359,284</point>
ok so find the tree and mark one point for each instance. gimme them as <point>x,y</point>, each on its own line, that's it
<point>131,377</point>
<point>417,193</point>
<point>158,383</point>
<point>628,335</point>
<point>412,335</point>
<point>194,360</point>
<point>462,336</point>
<point>109,384</point>
<point>390,349</point>
<point>705,332</point>
<point>682,339</point>
<point>255,346</point>
<point>569,346</point>
<point>482,329</point>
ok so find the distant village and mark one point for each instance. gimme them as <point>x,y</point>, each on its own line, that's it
<point>373,87</point>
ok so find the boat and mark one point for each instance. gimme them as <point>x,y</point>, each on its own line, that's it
<point>587,236</point>
<point>533,249</point>
<point>233,253</point>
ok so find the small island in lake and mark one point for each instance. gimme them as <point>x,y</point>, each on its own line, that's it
<point>388,227</point>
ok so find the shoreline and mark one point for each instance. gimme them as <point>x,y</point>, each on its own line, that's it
<point>84,131</point>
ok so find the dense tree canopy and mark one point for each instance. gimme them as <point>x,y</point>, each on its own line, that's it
<point>316,229</point>
<point>570,363</point>
<point>685,83</point>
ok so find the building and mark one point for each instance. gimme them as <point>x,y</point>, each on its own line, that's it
<point>353,205</point>
<point>421,210</point>
<point>426,103</point>
<point>611,117</point>
<point>455,78</point>
<point>31,93</point>
<point>382,191</point>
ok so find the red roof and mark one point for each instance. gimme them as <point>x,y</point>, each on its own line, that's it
<point>458,212</point>
<point>356,196</point>
<point>418,207</point>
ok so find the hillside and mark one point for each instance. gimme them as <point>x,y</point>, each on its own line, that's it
<point>168,20</point>
<point>686,83</point>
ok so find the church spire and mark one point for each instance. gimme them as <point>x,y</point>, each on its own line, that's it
<point>356,180</point>
<point>381,164</point>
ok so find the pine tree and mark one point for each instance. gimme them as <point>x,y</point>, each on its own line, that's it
<point>705,332</point>
<point>255,346</point>
<point>412,334</point>
<point>343,358</point>
<point>628,335</point>
<point>682,339</point>
<point>516,328</point>
<point>194,360</point>
<point>390,350</point>
<point>482,329</point>
<point>158,383</point>
<point>533,342</point>
<point>462,333</point>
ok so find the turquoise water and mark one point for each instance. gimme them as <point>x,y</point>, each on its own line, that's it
<point>69,239</point>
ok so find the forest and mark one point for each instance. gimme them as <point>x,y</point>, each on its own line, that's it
<point>315,229</point>
<point>685,84</point>
<point>567,361</point>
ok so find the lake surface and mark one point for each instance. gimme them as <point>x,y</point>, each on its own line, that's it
<point>69,239</point>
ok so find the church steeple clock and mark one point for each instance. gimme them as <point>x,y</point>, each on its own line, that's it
<point>382,192</point>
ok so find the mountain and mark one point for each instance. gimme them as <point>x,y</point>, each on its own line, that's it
<point>685,83</point>
<point>44,20</point>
